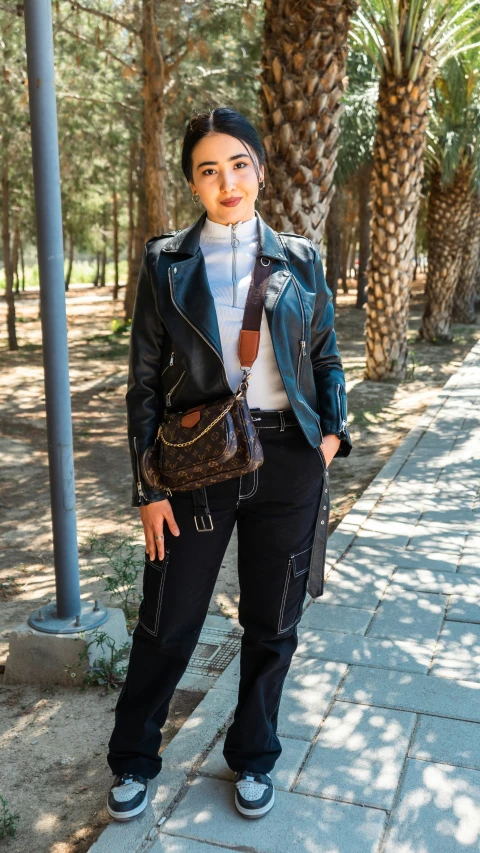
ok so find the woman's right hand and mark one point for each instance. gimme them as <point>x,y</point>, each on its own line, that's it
<point>153,516</point>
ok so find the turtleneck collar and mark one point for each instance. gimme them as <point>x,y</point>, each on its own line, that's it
<point>243,230</point>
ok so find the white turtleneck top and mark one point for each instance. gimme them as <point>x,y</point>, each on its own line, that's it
<point>229,252</point>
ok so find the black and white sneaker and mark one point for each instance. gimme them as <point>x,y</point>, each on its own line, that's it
<point>127,797</point>
<point>254,793</point>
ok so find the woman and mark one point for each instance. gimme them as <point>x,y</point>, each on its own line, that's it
<point>184,351</point>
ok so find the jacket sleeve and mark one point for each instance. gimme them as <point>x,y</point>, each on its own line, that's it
<point>144,397</point>
<point>327,364</point>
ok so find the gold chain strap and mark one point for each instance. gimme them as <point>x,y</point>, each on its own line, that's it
<point>193,440</point>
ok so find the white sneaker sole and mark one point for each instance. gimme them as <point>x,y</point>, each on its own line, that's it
<point>123,816</point>
<point>250,813</point>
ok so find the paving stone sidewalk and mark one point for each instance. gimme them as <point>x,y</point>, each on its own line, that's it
<point>380,715</point>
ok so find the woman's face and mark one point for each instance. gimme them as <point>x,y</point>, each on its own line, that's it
<point>223,170</point>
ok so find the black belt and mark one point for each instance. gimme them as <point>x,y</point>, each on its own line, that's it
<point>274,418</point>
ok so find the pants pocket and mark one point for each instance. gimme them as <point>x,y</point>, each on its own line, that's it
<point>153,584</point>
<point>295,589</point>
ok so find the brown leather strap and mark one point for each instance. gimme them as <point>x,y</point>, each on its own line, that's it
<point>249,340</point>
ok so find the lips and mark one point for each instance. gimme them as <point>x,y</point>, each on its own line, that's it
<point>231,202</point>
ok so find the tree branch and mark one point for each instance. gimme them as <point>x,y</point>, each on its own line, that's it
<point>93,44</point>
<point>98,101</point>
<point>105,16</point>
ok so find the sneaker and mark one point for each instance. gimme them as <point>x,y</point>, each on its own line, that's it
<point>254,793</point>
<point>127,797</point>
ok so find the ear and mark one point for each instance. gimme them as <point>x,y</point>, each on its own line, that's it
<point>262,173</point>
<point>192,187</point>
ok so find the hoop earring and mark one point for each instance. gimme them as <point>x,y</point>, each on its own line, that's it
<point>195,198</point>
<point>260,187</point>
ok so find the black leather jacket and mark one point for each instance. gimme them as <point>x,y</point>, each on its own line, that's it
<point>175,350</point>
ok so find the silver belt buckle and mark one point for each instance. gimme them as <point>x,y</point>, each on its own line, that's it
<point>203,528</point>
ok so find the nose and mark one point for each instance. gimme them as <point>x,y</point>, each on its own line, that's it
<point>227,182</point>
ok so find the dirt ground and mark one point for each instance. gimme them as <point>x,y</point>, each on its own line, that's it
<point>54,772</point>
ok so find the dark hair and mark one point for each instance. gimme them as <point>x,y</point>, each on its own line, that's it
<point>220,120</point>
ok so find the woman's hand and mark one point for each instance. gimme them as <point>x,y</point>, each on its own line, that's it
<point>329,446</point>
<point>153,516</point>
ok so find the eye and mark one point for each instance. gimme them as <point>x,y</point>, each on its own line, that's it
<point>207,171</point>
<point>241,163</point>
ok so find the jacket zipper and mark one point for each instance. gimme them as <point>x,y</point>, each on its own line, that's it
<point>141,493</point>
<point>302,342</point>
<point>170,363</point>
<point>227,384</point>
<point>168,396</point>
<point>235,244</point>
<point>343,422</point>
<point>301,356</point>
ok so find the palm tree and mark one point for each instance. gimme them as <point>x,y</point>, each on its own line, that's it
<point>465,293</point>
<point>409,41</point>
<point>303,67</point>
<point>452,162</point>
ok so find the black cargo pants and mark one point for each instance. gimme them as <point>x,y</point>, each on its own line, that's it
<point>275,508</point>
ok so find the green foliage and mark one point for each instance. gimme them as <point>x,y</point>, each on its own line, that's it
<point>107,671</point>
<point>8,821</point>
<point>121,575</point>
<point>454,129</point>
<point>412,39</point>
<point>358,121</point>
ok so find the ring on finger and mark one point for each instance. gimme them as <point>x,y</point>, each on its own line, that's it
<point>158,537</point>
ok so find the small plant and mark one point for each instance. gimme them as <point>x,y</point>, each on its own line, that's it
<point>119,326</point>
<point>121,580</point>
<point>8,821</point>
<point>108,671</point>
<point>412,364</point>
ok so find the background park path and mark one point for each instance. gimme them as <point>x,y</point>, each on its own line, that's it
<point>380,716</point>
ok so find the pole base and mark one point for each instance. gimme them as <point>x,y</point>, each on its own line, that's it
<point>45,619</point>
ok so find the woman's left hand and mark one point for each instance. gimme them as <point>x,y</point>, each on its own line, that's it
<point>329,446</point>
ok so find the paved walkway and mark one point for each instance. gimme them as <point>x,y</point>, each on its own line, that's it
<point>380,716</point>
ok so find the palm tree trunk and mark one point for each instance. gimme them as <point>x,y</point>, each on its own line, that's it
<point>303,68</point>
<point>398,153</point>
<point>447,222</point>
<point>464,299</point>
<point>364,215</point>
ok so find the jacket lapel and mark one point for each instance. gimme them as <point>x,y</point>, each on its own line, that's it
<point>189,282</point>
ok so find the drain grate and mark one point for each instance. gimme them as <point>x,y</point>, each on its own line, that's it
<point>214,651</point>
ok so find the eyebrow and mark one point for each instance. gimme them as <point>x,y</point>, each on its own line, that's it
<point>215,162</point>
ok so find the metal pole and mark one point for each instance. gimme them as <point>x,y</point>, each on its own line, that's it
<point>57,617</point>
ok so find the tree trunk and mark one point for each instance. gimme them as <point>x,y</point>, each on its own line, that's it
<point>364,215</point>
<point>333,246</point>
<point>103,262</point>
<point>138,247</point>
<point>447,222</point>
<point>97,273</point>
<point>154,123</point>
<point>7,260</point>
<point>22,263</point>
<point>115,244</point>
<point>71,252</point>
<point>303,68</point>
<point>398,153</point>
<point>16,241</point>
<point>132,168</point>
<point>464,299</point>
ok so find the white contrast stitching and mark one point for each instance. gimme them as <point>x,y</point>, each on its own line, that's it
<point>254,488</point>
<point>163,572</point>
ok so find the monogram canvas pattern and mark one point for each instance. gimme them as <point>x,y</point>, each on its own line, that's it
<point>229,449</point>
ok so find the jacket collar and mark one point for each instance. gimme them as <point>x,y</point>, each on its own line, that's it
<point>187,241</point>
